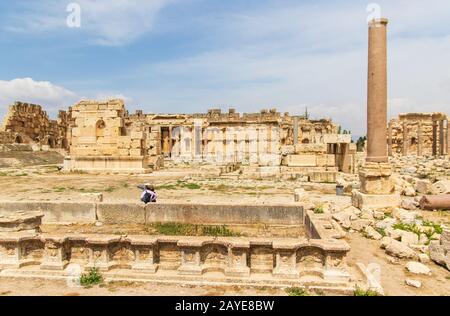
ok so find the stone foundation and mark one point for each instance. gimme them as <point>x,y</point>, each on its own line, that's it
<point>298,262</point>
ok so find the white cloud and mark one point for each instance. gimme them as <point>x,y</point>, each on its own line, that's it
<point>50,96</point>
<point>105,22</point>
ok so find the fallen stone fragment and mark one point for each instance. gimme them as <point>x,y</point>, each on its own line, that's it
<point>423,186</point>
<point>424,258</point>
<point>409,238</point>
<point>361,224</point>
<point>397,249</point>
<point>418,268</point>
<point>372,233</point>
<point>413,283</point>
<point>441,187</point>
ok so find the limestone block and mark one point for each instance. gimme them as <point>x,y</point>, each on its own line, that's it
<point>121,213</point>
<point>137,135</point>
<point>86,140</point>
<point>423,186</point>
<point>109,151</point>
<point>135,152</point>
<point>301,160</point>
<point>361,200</point>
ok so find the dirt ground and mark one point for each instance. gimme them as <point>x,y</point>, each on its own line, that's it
<point>47,183</point>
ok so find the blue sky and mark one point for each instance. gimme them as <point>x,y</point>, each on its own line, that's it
<point>173,56</point>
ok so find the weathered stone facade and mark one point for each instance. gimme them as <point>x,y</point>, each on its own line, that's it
<point>29,123</point>
<point>419,134</point>
<point>100,140</point>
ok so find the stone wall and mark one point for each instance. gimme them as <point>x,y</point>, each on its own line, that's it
<point>29,123</point>
<point>100,140</point>
<point>138,213</point>
<point>418,134</point>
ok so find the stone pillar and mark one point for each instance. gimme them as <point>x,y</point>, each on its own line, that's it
<point>390,139</point>
<point>419,139</point>
<point>377,92</point>
<point>448,138</point>
<point>441,138</point>
<point>377,188</point>
<point>434,147</point>
<point>405,139</point>
<point>170,140</point>
<point>295,123</point>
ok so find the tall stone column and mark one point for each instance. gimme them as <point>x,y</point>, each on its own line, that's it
<point>441,138</point>
<point>419,139</point>
<point>377,92</point>
<point>405,139</point>
<point>434,146</point>
<point>448,138</point>
<point>295,123</point>
<point>390,139</point>
<point>377,189</point>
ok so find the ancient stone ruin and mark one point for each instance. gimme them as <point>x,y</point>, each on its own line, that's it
<point>29,123</point>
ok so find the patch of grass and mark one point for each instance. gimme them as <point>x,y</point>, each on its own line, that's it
<point>191,186</point>
<point>388,214</point>
<point>318,210</point>
<point>166,187</point>
<point>24,174</point>
<point>413,228</point>
<point>296,291</point>
<point>437,228</point>
<point>381,231</point>
<point>360,292</point>
<point>3,174</point>
<point>59,189</point>
<point>93,277</point>
<point>110,189</point>
<point>125,185</point>
<point>174,229</point>
<point>217,231</point>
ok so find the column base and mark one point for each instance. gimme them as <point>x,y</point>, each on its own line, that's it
<point>362,200</point>
<point>376,178</point>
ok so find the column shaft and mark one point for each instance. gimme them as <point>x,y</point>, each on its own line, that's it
<point>377,92</point>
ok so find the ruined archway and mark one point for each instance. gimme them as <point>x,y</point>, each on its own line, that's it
<point>18,139</point>
<point>100,128</point>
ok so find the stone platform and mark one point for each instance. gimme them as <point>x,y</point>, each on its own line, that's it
<point>21,221</point>
<point>313,263</point>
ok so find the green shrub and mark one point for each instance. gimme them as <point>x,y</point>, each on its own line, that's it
<point>360,292</point>
<point>318,210</point>
<point>296,291</point>
<point>92,278</point>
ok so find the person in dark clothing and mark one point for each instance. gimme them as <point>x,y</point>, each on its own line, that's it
<point>148,193</point>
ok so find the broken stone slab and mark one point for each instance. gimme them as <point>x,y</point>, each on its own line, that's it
<point>409,238</point>
<point>397,249</point>
<point>441,187</point>
<point>418,268</point>
<point>413,283</point>
<point>440,250</point>
<point>405,216</point>
<point>409,204</point>
<point>361,224</point>
<point>388,222</point>
<point>372,233</point>
<point>21,221</point>
<point>424,258</point>
<point>423,186</point>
